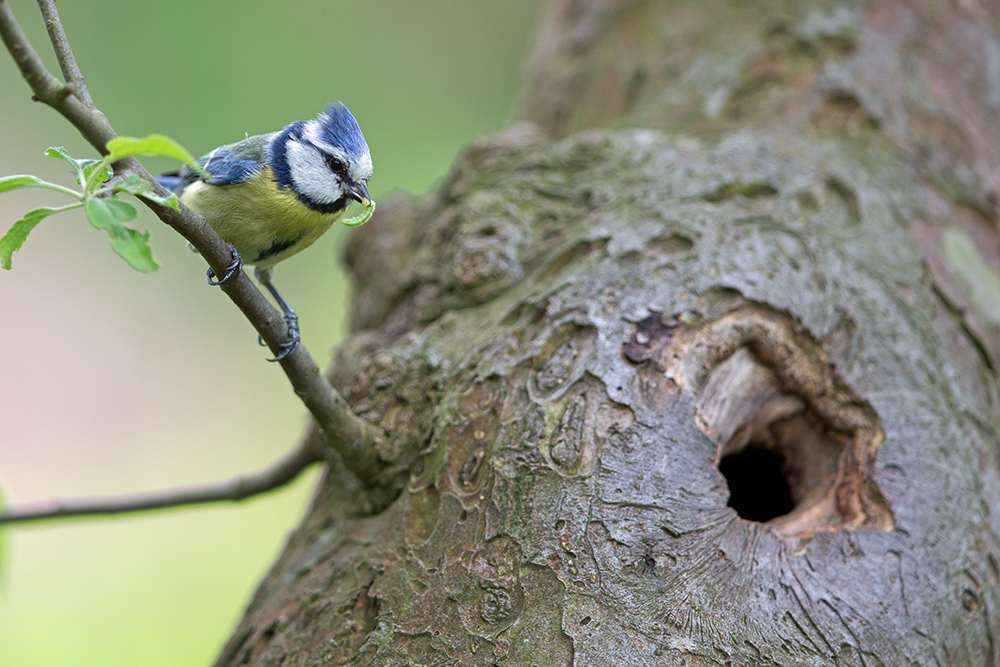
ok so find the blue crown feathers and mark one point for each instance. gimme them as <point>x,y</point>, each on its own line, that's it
<point>341,129</point>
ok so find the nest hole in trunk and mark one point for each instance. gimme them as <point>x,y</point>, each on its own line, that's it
<point>784,463</point>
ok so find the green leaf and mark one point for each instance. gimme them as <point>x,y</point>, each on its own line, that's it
<point>63,154</point>
<point>137,186</point>
<point>84,168</point>
<point>80,166</point>
<point>132,246</point>
<point>15,237</point>
<point>154,144</point>
<point>362,217</point>
<point>8,183</point>
<point>101,167</point>
<point>109,214</point>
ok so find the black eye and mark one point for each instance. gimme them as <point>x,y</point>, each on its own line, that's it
<point>334,164</point>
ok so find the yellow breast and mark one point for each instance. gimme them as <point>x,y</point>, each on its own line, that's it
<point>265,223</point>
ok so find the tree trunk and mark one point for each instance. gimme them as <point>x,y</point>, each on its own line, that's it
<point>720,390</point>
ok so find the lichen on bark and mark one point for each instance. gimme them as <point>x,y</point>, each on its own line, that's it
<point>562,502</point>
<point>566,338</point>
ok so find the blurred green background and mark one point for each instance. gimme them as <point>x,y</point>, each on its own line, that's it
<point>116,382</point>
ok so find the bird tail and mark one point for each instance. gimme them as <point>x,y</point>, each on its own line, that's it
<point>171,181</point>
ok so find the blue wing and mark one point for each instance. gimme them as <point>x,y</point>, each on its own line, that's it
<point>227,165</point>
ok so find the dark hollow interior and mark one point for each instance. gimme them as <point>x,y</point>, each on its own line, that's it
<point>758,488</point>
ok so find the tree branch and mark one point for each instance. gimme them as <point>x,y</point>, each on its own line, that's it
<point>50,90</point>
<point>273,477</point>
<point>353,438</point>
<point>71,71</point>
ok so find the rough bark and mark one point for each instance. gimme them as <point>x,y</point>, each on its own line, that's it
<point>796,254</point>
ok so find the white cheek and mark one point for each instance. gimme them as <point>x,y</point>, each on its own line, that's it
<point>310,175</point>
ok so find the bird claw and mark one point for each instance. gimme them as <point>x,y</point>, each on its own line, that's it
<point>292,344</point>
<point>231,270</point>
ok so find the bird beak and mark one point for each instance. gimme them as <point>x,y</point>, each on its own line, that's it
<point>359,193</point>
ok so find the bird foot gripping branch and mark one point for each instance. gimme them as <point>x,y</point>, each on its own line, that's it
<point>231,270</point>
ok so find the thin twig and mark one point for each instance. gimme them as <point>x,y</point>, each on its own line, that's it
<point>273,477</point>
<point>48,89</point>
<point>70,70</point>
<point>351,437</point>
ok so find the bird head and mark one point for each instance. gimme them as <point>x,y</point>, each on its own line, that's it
<point>325,161</point>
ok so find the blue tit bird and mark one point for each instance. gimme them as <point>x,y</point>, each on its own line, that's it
<point>273,195</point>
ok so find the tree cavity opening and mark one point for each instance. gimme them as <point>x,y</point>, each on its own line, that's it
<point>784,462</point>
<point>795,444</point>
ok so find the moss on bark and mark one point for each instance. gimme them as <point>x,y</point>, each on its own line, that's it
<point>564,341</point>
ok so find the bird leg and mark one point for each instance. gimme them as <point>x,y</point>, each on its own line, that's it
<point>231,270</point>
<point>291,319</point>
